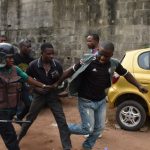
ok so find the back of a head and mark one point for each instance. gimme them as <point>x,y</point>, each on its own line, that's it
<point>107,45</point>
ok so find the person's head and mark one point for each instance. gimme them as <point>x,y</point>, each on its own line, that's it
<point>47,52</point>
<point>25,46</point>
<point>3,38</point>
<point>92,41</point>
<point>105,52</point>
<point>6,54</point>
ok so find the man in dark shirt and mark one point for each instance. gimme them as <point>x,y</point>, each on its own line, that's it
<point>97,75</point>
<point>93,79</point>
<point>47,70</point>
<point>92,41</point>
<point>22,60</point>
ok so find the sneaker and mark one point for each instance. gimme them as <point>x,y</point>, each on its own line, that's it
<point>88,136</point>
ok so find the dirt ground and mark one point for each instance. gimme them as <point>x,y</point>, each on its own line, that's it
<point>43,134</point>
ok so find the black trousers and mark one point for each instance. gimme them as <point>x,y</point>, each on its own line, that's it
<point>7,130</point>
<point>53,102</point>
<point>25,97</point>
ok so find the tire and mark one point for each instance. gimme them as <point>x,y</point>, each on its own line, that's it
<point>130,115</point>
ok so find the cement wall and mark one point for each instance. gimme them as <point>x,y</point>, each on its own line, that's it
<point>65,23</point>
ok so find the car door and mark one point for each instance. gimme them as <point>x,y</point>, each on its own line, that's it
<point>141,70</point>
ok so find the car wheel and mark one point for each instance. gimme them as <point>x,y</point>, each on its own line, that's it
<point>130,115</point>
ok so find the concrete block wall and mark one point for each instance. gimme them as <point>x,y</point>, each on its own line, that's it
<point>66,23</point>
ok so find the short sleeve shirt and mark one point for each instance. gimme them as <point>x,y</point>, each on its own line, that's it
<point>37,71</point>
<point>95,79</point>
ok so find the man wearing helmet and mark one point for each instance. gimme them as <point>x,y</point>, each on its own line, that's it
<point>10,76</point>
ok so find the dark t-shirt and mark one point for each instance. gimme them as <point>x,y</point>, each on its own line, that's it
<point>95,79</point>
<point>37,71</point>
<point>22,61</point>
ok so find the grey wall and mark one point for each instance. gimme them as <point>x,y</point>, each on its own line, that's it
<point>65,23</point>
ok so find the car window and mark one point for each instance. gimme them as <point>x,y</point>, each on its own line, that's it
<point>144,60</point>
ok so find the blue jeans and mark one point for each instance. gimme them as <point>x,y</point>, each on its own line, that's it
<point>93,116</point>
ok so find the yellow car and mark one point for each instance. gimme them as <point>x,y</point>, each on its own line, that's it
<point>132,105</point>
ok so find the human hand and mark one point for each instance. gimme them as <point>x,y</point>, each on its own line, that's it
<point>142,89</point>
<point>49,87</point>
<point>81,61</point>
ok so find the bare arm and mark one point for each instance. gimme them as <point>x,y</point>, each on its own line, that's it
<point>39,84</point>
<point>68,73</point>
<point>133,81</point>
<point>34,82</point>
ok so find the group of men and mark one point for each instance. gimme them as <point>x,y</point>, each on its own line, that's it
<point>89,78</point>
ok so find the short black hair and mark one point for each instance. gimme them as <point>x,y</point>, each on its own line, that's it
<point>107,45</point>
<point>95,36</point>
<point>46,45</point>
<point>2,35</point>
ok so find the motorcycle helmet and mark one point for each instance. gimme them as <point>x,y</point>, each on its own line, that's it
<point>6,50</point>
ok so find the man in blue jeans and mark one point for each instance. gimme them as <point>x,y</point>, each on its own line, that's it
<point>89,82</point>
<point>93,42</point>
